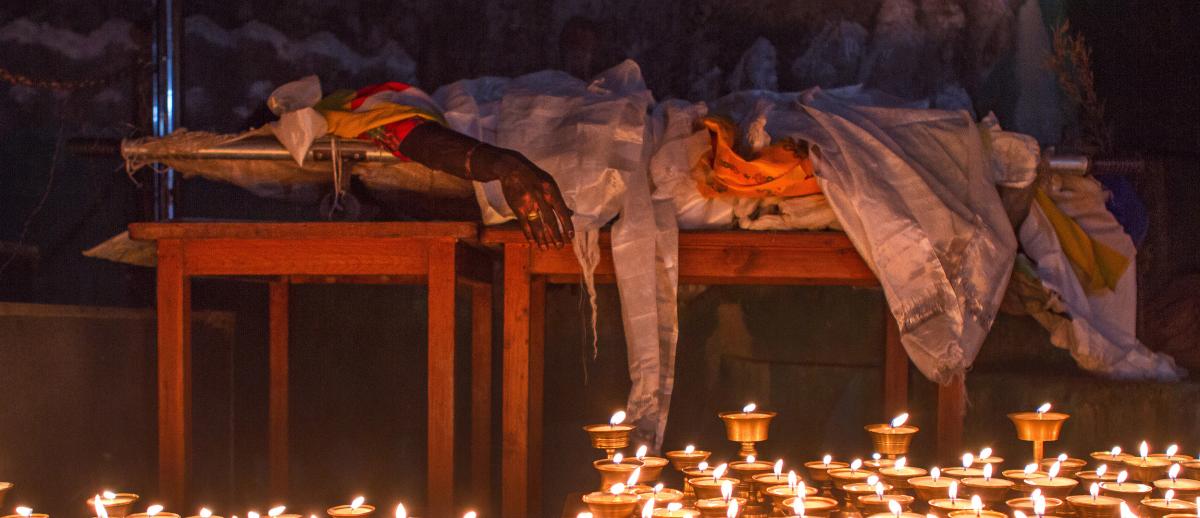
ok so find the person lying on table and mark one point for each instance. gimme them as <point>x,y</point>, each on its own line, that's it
<point>399,119</point>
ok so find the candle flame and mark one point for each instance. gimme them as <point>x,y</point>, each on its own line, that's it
<point>720,471</point>
<point>749,408</point>
<point>985,453</point>
<point>901,462</point>
<point>751,459</point>
<point>674,506</point>
<point>1122,477</point>
<point>617,418</point>
<point>1116,450</point>
<point>276,511</point>
<point>1043,409</point>
<point>357,502</point>
<point>976,504</point>
<point>702,466</point>
<point>953,490</point>
<point>1172,450</point>
<point>205,513</point>
<point>1062,457</point>
<point>967,460</point>
<point>1094,490</point>
<point>732,512</point>
<point>633,477</point>
<point>251,514</point>
<point>108,495</point>
<point>1039,505</point>
<point>856,464</point>
<point>689,450</point>
<point>24,511</point>
<point>987,471</point>
<point>872,480</point>
<point>401,512</point>
<point>1030,469</point>
<point>648,509</point>
<point>1169,495</point>
<point>641,452</point>
<point>1019,514</point>
<point>470,514</point>
<point>1054,469</point>
<point>658,488</point>
<point>827,459</point>
<point>879,491</point>
<point>899,420</point>
<point>617,489</point>
<point>1125,512</point>
<point>894,507</point>
<point>798,507</point>
<point>101,512</point>
<point>584,515</point>
<point>778,468</point>
<point>1173,473</point>
<point>935,473</point>
<point>726,490</point>
<point>1100,471</point>
<point>617,458</point>
<point>153,510</point>
<point>792,479</point>
<point>876,456</point>
<point>1144,449</point>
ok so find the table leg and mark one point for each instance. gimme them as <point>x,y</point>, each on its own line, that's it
<point>515,462</point>
<point>952,408</point>
<point>537,340</point>
<point>277,413</point>
<point>174,373</point>
<point>895,368</point>
<point>481,393</point>
<point>441,378</point>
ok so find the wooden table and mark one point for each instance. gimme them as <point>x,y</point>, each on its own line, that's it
<point>438,254</point>
<point>705,257</point>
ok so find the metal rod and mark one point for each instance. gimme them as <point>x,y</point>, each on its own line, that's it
<point>264,148</point>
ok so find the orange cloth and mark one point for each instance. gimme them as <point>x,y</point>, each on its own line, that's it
<point>781,169</point>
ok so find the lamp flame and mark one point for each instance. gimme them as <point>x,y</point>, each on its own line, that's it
<point>1039,506</point>
<point>1043,409</point>
<point>872,480</point>
<point>720,472</point>
<point>856,464</point>
<point>876,456</point>
<point>1062,457</point>
<point>1054,469</point>
<point>750,459</point>
<point>1100,471</point>
<point>1116,450</point>
<point>616,489</point>
<point>641,452</point>
<point>935,473</point>
<point>1030,469</point>
<point>779,468</point>
<point>1173,473</point>
<point>251,514</point>
<point>1122,477</point>
<point>153,510</point>
<point>1172,450</point>
<point>732,511</point>
<point>792,479</point>
<point>617,418</point>
<point>357,502</point>
<point>826,460</point>
<point>987,471</point>
<point>967,460</point>
<point>985,453</point>
<point>798,506</point>
<point>1169,495</point>
<point>617,458</point>
<point>24,511</point>
<point>977,504</point>
<point>749,408</point>
<point>879,491</point>
<point>900,463</point>
<point>894,507</point>
<point>726,490</point>
<point>1126,512</point>
<point>689,450</point>
<point>101,512</point>
<point>205,513</point>
<point>953,490</point>
<point>674,506</point>
<point>648,509</point>
<point>658,488</point>
<point>1019,514</point>
<point>1144,449</point>
<point>1036,494</point>
<point>580,515</point>
<point>1094,490</point>
<point>470,514</point>
<point>899,420</point>
<point>276,511</point>
<point>702,466</point>
<point>634,476</point>
<point>108,495</point>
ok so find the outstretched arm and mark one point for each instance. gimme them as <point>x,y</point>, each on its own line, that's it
<point>530,191</point>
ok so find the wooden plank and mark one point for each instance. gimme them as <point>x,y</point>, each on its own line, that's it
<point>463,230</point>
<point>440,459</point>
<point>277,411</point>
<point>952,408</point>
<point>895,367</point>
<point>481,394</point>
<point>356,279</point>
<point>515,462</point>
<point>537,355</point>
<point>330,256</point>
<point>797,239</point>
<point>174,374</point>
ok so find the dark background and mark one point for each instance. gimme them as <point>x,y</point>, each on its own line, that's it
<point>358,360</point>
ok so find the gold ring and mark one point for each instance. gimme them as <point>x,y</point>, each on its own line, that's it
<point>533,216</point>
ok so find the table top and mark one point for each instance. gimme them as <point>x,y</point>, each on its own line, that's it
<point>798,239</point>
<point>465,230</point>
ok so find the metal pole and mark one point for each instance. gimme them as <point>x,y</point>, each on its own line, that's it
<point>167,106</point>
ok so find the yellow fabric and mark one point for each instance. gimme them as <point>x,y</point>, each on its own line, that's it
<point>781,169</point>
<point>1097,266</point>
<point>350,124</point>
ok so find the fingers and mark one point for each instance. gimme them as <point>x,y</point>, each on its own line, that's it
<point>563,213</point>
<point>552,220</point>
